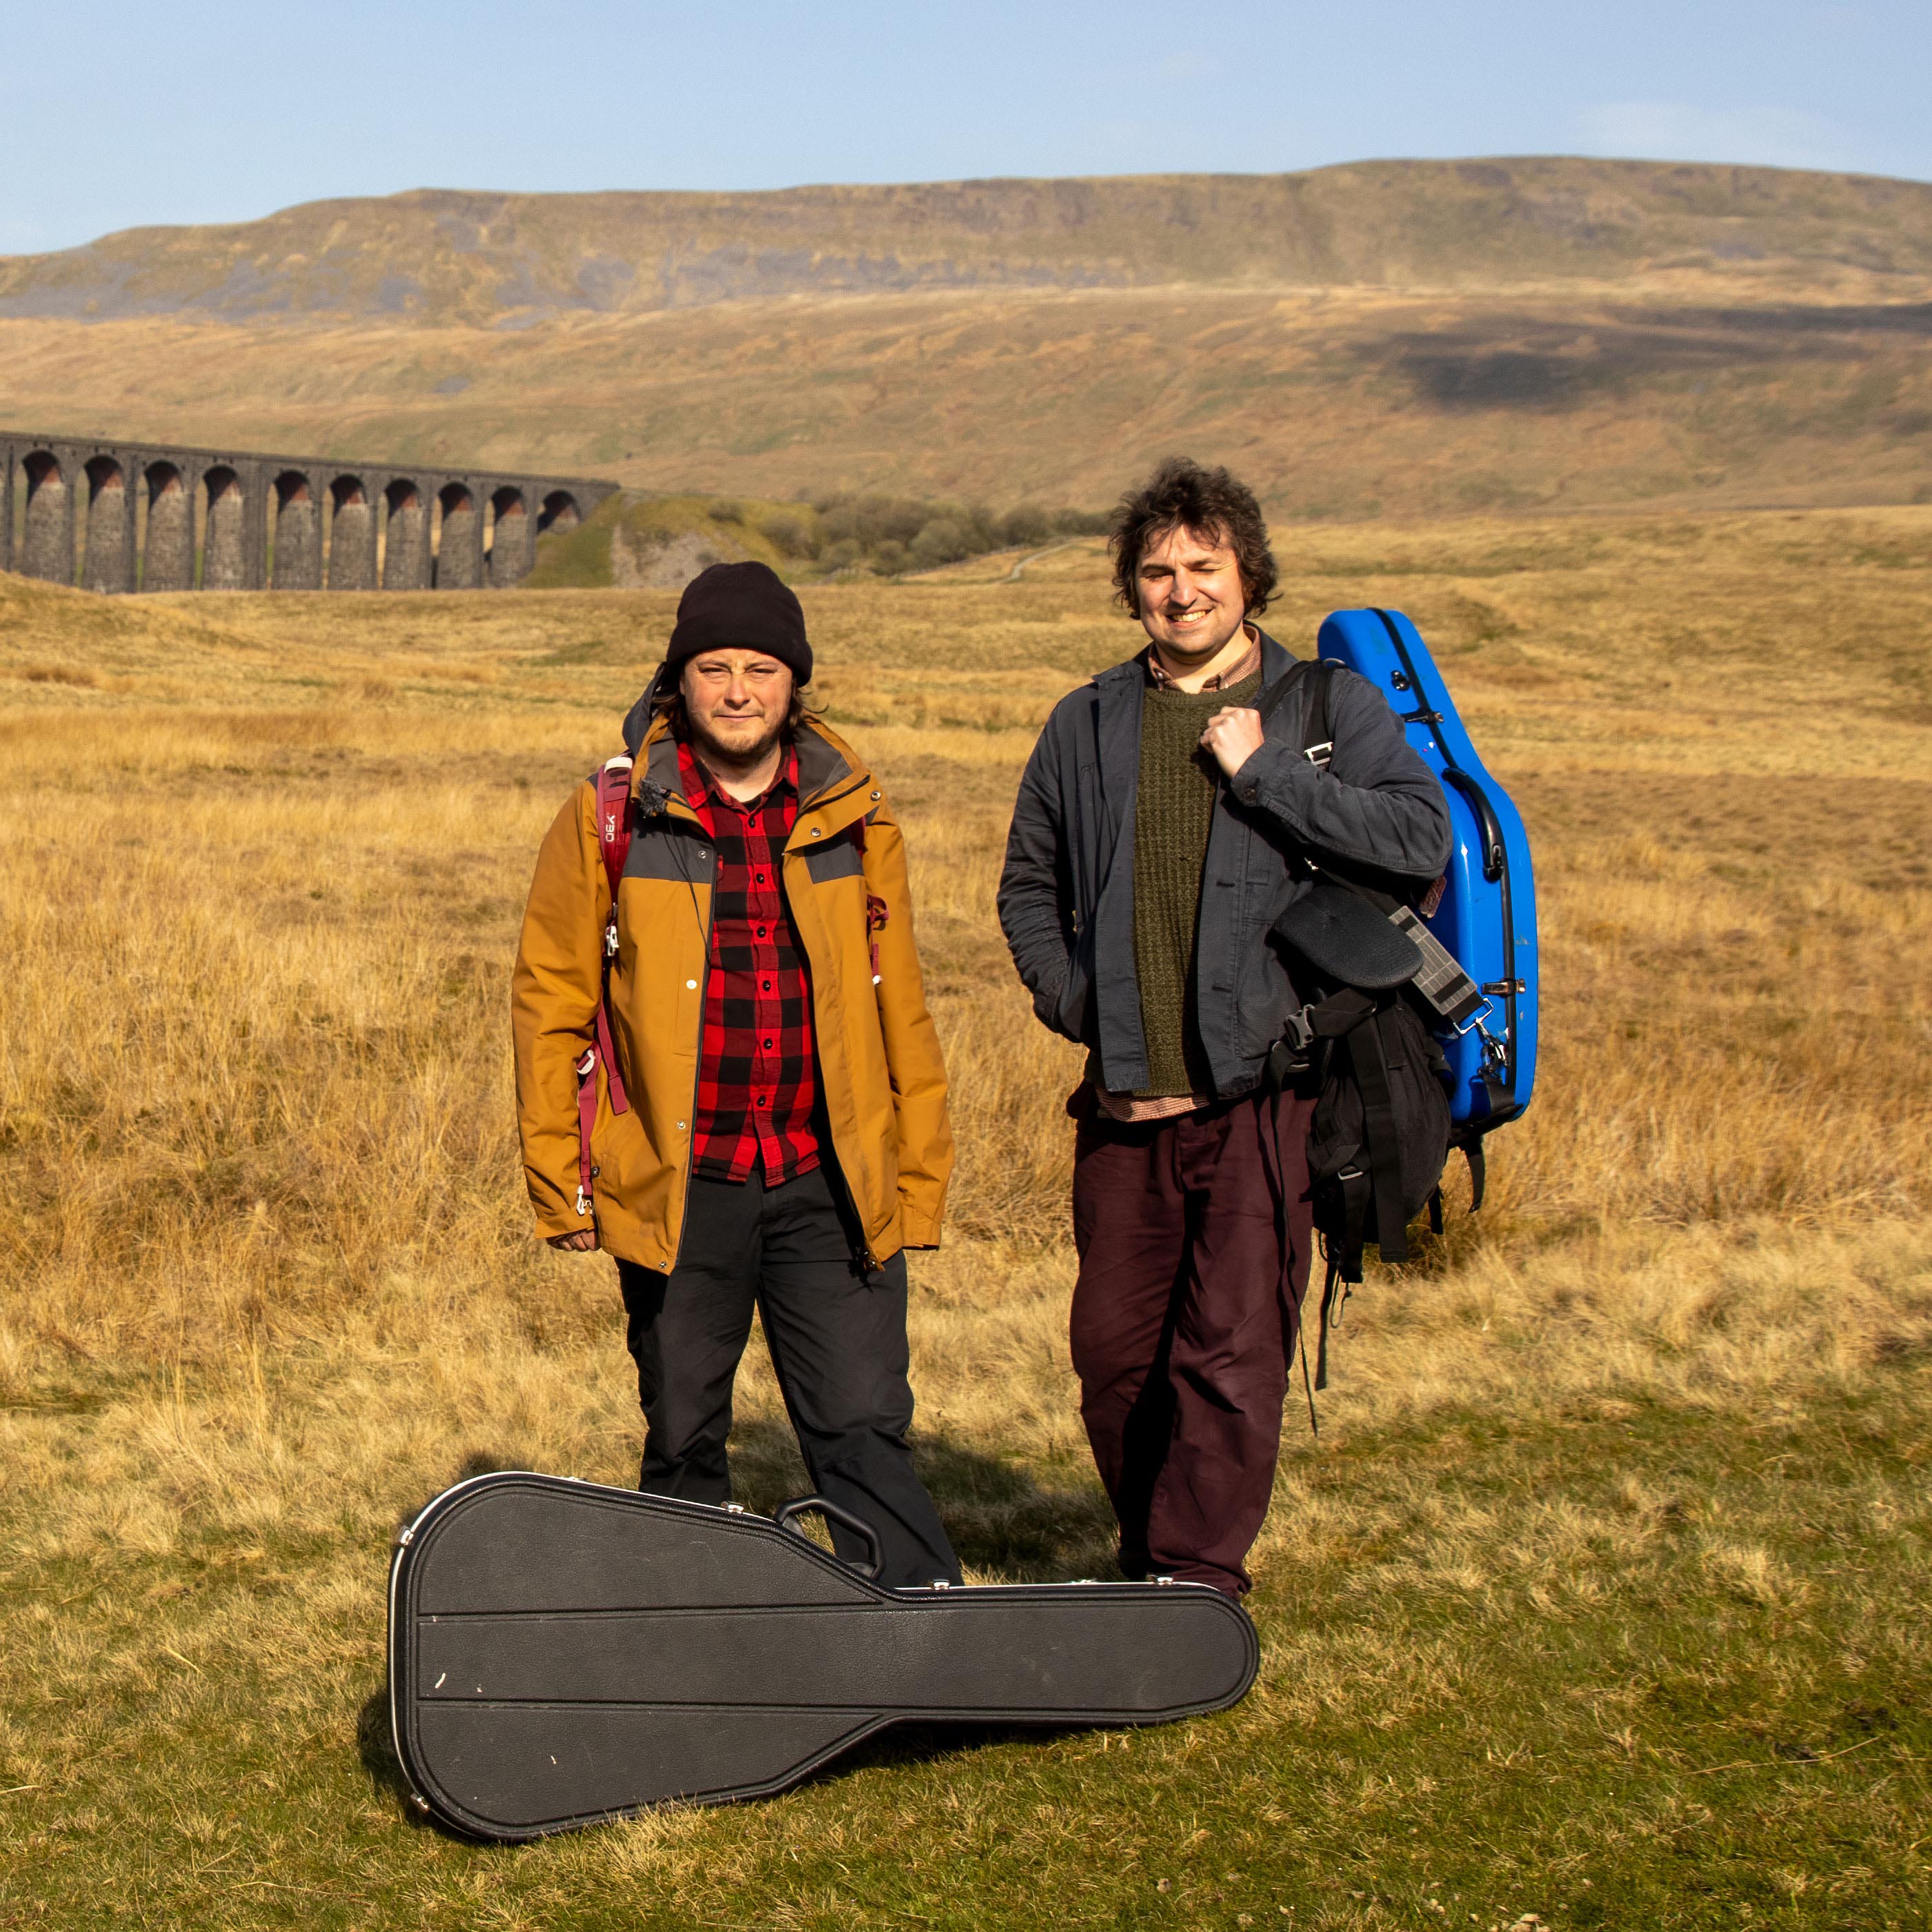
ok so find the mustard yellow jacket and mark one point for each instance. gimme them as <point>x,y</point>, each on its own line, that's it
<point>883,1081</point>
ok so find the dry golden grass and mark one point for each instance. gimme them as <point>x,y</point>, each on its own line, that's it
<point>265,1278</point>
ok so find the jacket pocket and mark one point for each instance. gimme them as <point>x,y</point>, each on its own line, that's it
<point>1073,1013</point>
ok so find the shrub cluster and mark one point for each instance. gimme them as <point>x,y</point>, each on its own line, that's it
<point>891,535</point>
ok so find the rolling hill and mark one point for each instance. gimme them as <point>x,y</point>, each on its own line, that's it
<point>444,256</point>
<point>1411,337</point>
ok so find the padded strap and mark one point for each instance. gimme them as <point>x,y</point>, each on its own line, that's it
<point>1340,1013</point>
<point>1275,695</point>
<point>614,843</point>
<point>1315,731</point>
<point>1353,1185</point>
<point>613,780</point>
<point>1332,1306</point>
<point>1322,1341</point>
<point>586,1120</point>
<point>1307,1380</point>
<point>620,1101</point>
<point>613,820</point>
<point>1367,1050</point>
<point>1478,1172</point>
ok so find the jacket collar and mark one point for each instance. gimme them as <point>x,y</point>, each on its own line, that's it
<point>824,763</point>
<point>832,783</point>
<point>1277,663</point>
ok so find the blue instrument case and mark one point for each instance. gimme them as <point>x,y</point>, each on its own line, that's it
<point>1486,916</point>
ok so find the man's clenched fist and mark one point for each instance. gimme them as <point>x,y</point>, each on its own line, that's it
<point>1233,735</point>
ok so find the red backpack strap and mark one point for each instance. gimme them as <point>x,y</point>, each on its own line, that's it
<point>613,818</point>
<point>877,910</point>
<point>586,1120</point>
<point>612,781</point>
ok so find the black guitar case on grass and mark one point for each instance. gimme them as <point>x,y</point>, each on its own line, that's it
<point>561,1653</point>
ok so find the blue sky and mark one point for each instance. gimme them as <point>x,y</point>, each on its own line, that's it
<point>123,115</point>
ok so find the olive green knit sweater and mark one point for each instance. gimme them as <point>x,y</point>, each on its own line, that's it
<point>1176,807</point>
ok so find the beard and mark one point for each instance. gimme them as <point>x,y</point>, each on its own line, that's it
<point>739,743</point>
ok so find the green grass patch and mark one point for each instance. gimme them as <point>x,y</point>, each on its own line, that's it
<point>578,559</point>
<point>1637,1667</point>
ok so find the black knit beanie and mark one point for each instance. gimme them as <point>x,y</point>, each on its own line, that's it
<point>740,607</point>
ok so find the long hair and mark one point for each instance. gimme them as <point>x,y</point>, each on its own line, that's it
<point>1181,495</point>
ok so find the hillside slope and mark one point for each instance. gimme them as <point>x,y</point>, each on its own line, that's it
<point>447,256</point>
<point>1407,338</point>
<point>1337,405</point>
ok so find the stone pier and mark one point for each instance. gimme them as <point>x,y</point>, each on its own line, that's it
<point>459,559</point>
<point>120,515</point>
<point>110,562</point>
<point>168,563</point>
<point>296,564</point>
<point>512,553</point>
<point>351,555</point>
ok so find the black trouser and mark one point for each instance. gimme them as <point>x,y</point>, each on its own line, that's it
<point>838,1341</point>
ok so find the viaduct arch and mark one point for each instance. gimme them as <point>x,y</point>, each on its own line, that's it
<point>118,516</point>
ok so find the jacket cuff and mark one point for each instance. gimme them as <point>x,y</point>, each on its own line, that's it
<point>555,1217</point>
<point>1266,769</point>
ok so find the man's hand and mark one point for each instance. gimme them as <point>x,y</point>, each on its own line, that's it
<point>1233,735</point>
<point>580,1242</point>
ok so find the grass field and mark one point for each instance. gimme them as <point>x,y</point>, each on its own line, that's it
<point>1600,1600</point>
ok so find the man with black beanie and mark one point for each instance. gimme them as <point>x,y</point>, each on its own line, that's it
<point>726,1074</point>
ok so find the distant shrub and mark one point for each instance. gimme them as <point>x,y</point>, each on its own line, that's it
<point>892,534</point>
<point>883,519</point>
<point>942,541</point>
<point>727,510</point>
<point>1080,522</point>
<point>789,536</point>
<point>1025,526</point>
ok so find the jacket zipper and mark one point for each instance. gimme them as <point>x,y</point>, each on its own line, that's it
<point>690,1159</point>
<point>697,1063</point>
<point>864,1253</point>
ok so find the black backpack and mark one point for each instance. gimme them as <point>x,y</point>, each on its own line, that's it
<point>1376,981</point>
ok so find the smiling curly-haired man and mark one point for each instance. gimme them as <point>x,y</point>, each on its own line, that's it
<point>1161,829</point>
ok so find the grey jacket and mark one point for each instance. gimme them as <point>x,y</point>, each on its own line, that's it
<point>1067,895</point>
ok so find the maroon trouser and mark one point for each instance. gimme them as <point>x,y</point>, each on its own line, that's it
<point>1194,1235</point>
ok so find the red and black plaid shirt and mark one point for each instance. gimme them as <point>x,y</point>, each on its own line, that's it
<point>757,1076</point>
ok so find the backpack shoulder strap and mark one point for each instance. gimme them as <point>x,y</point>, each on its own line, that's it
<point>612,780</point>
<point>1320,674</point>
<point>613,818</point>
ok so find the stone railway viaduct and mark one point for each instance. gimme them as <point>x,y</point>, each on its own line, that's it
<point>121,516</point>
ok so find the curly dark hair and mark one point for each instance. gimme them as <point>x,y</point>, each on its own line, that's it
<point>1181,495</point>
<point>667,702</point>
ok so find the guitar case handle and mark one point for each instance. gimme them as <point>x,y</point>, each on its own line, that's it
<point>787,1514</point>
